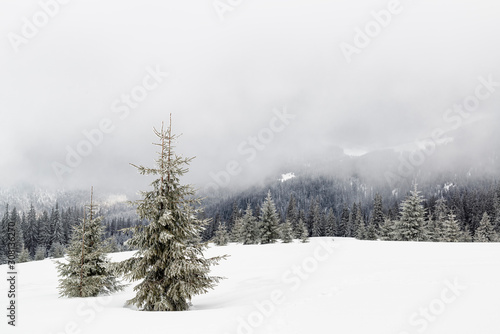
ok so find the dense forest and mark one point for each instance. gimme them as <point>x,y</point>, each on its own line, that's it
<point>326,206</point>
<point>46,234</point>
<point>349,204</point>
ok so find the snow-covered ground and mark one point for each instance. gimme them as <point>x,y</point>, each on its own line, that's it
<point>342,286</point>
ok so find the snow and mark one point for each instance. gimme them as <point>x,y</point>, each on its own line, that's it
<point>287,176</point>
<point>448,185</point>
<point>343,286</point>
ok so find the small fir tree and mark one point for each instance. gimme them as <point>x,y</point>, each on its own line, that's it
<point>286,232</point>
<point>378,211</point>
<point>485,231</point>
<point>387,230</point>
<point>411,223</point>
<point>451,229</point>
<point>221,236</point>
<point>249,229</point>
<point>331,225</point>
<point>371,231</point>
<point>237,231</point>
<point>24,256</point>
<point>40,253</point>
<point>269,221</point>
<point>171,267</point>
<point>304,235</point>
<point>87,272</point>
<point>466,236</point>
<point>57,250</point>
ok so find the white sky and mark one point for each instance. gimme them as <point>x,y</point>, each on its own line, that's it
<point>226,77</point>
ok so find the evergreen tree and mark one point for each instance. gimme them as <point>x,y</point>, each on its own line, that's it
<point>269,221</point>
<point>250,228</point>
<point>43,237</point>
<point>434,230</point>
<point>111,245</point>
<point>15,219</point>
<point>24,256</point>
<point>466,236</point>
<point>371,231</point>
<point>235,214</point>
<point>358,220</point>
<point>56,226</point>
<point>172,268</point>
<point>317,228</point>
<point>31,231</point>
<point>386,231</point>
<point>496,204</point>
<point>87,272</point>
<point>3,235</point>
<point>237,231</point>
<point>40,253</point>
<point>378,211</point>
<point>292,214</point>
<point>221,236</point>
<point>411,223</point>
<point>331,225</point>
<point>451,229</point>
<point>304,236</point>
<point>343,222</point>
<point>286,232</point>
<point>485,231</point>
<point>57,250</point>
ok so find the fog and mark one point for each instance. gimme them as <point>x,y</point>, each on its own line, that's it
<point>275,71</point>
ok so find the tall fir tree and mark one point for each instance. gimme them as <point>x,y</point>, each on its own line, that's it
<point>171,266</point>
<point>87,272</point>
<point>269,221</point>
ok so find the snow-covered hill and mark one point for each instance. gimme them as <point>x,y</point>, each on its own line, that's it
<point>343,286</point>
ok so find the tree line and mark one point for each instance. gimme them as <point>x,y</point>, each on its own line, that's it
<point>461,214</point>
<point>39,235</point>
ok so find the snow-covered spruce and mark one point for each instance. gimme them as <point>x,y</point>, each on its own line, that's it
<point>286,232</point>
<point>168,260</point>
<point>269,228</point>
<point>249,229</point>
<point>221,237</point>
<point>87,272</point>
<point>411,224</point>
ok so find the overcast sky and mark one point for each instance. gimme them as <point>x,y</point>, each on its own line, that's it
<point>231,69</point>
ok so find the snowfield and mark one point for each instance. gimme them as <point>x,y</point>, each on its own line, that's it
<point>337,286</point>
